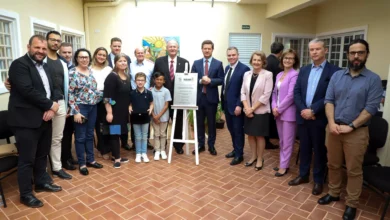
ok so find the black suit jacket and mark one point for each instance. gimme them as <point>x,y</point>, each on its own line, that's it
<point>161,65</point>
<point>27,101</point>
<point>273,66</point>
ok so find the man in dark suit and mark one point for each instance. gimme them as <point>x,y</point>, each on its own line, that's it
<point>169,65</point>
<point>232,105</point>
<point>31,110</point>
<point>273,65</point>
<point>309,95</point>
<point>116,48</point>
<point>210,76</point>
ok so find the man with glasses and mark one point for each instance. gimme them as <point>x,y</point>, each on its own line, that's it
<point>352,98</point>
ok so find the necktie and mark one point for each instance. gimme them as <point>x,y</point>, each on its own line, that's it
<point>228,80</point>
<point>206,72</point>
<point>171,71</point>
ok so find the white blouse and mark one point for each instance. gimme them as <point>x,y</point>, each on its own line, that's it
<point>277,85</point>
<point>100,76</point>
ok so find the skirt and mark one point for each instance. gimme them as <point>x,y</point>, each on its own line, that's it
<point>258,125</point>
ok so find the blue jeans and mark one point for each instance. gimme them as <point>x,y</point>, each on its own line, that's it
<point>141,137</point>
<point>84,134</point>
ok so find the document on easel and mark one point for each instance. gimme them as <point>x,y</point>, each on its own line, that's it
<point>185,89</point>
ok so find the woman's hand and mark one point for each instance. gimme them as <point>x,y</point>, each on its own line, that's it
<point>109,117</point>
<point>275,112</point>
<point>78,118</point>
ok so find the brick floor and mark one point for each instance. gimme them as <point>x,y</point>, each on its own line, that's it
<point>182,190</point>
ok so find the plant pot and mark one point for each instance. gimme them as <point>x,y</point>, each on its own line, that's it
<point>220,124</point>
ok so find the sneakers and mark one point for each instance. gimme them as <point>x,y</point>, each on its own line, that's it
<point>62,174</point>
<point>163,155</point>
<point>117,165</point>
<point>145,158</point>
<point>157,155</point>
<point>123,160</point>
<point>138,158</point>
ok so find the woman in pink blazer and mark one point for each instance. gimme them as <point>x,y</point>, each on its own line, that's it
<point>283,108</point>
<point>256,90</point>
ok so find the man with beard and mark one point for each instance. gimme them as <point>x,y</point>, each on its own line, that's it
<point>352,98</point>
<point>58,69</point>
<point>31,110</point>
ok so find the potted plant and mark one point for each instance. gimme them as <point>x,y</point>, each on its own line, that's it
<point>219,122</point>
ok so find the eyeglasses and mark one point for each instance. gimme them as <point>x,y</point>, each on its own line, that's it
<point>288,58</point>
<point>83,58</point>
<point>55,40</point>
<point>359,53</point>
<point>140,80</point>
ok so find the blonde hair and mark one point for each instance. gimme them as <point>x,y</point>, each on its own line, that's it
<point>262,56</point>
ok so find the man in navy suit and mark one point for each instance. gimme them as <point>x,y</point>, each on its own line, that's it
<point>210,76</point>
<point>309,96</point>
<point>232,105</point>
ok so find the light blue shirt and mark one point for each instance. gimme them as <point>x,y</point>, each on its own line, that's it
<point>160,97</point>
<point>314,78</point>
<point>204,63</point>
<point>146,67</point>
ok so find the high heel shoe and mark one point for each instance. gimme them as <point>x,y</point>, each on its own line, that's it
<point>277,174</point>
<point>247,164</point>
<point>259,168</point>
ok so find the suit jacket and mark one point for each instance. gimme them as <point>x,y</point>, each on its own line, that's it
<point>261,91</point>
<point>215,74</point>
<point>300,90</point>
<point>273,66</point>
<point>112,65</point>
<point>233,89</point>
<point>27,101</point>
<point>161,65</point>
<point>286,108</point>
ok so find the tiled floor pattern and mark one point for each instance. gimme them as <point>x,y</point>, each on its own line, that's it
<point>182,190</point>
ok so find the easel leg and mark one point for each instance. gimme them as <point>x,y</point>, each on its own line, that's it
<point>172,134</point>
<point>196,140</point>
<point>185,131</point>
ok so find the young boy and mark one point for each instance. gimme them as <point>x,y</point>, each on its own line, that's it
<point>161,97</point>
<point>141,107</point>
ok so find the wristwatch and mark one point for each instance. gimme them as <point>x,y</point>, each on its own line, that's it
<point>352,126</point>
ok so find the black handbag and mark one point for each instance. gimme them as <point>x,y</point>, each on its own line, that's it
<point>139,118</point>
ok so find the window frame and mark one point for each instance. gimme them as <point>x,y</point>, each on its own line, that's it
<point>69,31</point>
<point>43,24</point>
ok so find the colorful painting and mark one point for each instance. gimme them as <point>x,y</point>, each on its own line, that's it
<point>156,46</point>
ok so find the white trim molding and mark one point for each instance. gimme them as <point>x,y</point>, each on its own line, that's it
<point>347,30</point>
<point>13,16</point>
<point>291,35</point>
<point>44,23</point>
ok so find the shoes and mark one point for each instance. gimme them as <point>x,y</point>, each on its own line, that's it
<point>68,165</point>
<point>150,146</point>
<point>47,187</point>
<point>276,168</point>
<point>349,213</point>
<point>95,165</point>
<point>126,147</point>
<point>157,155</point>
<point>145,158</point>
<point>31,201</point>
<point>271,146</point>
<point>249,164</point>
<point>179,150</point>
<point>259,168</point>
<point>138,158</point>
<point>212,151</point>
<point>164,155</point>
<point>230,155</point>
<point>62,174</point>
<point>236,160</point>
<point>298,180</point>
<point>317,189</point>
<point>122,160</point>
<point>200,149</point>
<point>277,174</point>
<point>117,165</point>
<point>325,200</point>
<point>73,161</point>
<point>84,171</point>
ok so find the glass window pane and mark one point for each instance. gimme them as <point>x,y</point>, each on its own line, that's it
<point>7,28</point>
<point>1,26</point>
<point>2,64</point>
<point>8,40</point>
<point>4,75</point>
<point>2,52</point>
<point>9,52</point>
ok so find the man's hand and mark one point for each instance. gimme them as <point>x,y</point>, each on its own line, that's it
<point>275,112</point>
<point>109,117</point>
<point>150,111</point>
<point>344,129</point>
<point>156,119</point>
<point>48,115</point>
<point>130,109</point>
<point>334,128</point>
<point>237,111</point>
<point>55,107</point>
<point>206,80</point>
<point>7,84</point>
<point>307,114</point>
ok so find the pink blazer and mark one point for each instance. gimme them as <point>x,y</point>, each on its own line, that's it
<point>261,91</point>
<point>286,106</point>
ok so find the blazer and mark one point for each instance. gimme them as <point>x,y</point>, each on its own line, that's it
<point>112,65</point>
<point>261,91</point>
<point>286,108</point>
<point>27,100</point>
<point>215,74</point>
<point>273,66</point>
<point>233,89</point>
<point>317,105</point>
<point>161,65</point>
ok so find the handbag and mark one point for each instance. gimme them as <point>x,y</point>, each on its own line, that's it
<point>139,118</point>
<point>107,129</point>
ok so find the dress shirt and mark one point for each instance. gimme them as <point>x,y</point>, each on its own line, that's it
<point>314,78</point>
<point>43,75</point>
<point>146,66</point>
<point>174,63</point>
<point>231,75</point>
<point>204,63</point>
<point>112,57</point>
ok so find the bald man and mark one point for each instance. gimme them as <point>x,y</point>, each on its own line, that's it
<point>141,65</point>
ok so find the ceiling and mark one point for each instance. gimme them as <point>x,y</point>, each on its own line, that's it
<point>239,1</point>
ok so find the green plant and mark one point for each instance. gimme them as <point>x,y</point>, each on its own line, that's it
<point>219,113</point>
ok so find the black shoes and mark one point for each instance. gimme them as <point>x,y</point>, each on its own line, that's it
<point>236,160</point>
<point>31,201</point>
<point>179,150</point>
<point>68,165</point>
<point>349,213</point>
<point>230,155</point>
<point>95,165</point>
<point>298,180</point>
<point>277,174</point>
<point>248,164</point>
<point>325,200</point>
<point>126,147</point>
<point>262,164</point>
<point>212,151</point>
<point>84,171</point>
<point>47,187</point>
<point>200,149</point>
<point>317,189</point>
<point>62,174</point>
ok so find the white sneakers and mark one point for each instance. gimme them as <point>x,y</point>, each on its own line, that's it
<point>138,158</point>
<point>145,158</point>
<point>157,155</point>
<point>163,155</point>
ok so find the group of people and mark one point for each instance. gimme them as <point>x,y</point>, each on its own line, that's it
<point>53,96</point>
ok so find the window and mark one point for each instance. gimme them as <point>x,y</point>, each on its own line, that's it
<point>246,45</point>
<point>74,37</point>
<point>298,43</point>
<point>41,30</point>
<point>41,27</point>
<point>9,44</point>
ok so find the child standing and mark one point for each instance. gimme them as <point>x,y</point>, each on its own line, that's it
<point>161,99</point>
<point>140,109</point>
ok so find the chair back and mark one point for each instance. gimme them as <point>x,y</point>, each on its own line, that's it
<point>377,129</point>
<point>5,130</point>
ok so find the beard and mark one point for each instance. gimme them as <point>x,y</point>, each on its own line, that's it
<point>34,57</point>
<point>357,67</point>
